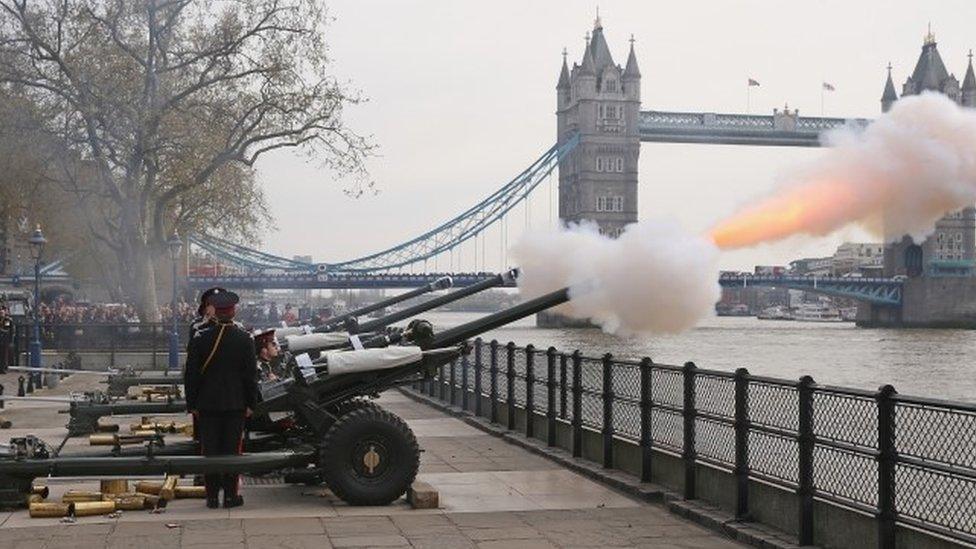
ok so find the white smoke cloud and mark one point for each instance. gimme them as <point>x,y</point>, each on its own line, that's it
<point>654,278</point>
<point>910,167</point>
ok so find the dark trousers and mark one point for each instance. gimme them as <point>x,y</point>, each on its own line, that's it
<point>4,354</point>
<point>221,434</point>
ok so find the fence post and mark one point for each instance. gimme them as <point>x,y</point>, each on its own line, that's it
<point>551,396</point>
<point>510,386</point>
<point>453,380</point>
<point>887,457</point>
<point>2,402</point>
<point>529,391</point>
<point>465,365</point>
<point>477,376</point>
<point>30,383</point>
<point>804,489</point>
<point>493,370</point>
<point>577,404</point>
<point>21,391</point>
<point>741,424</point>
<point>688,453</point>
<point>646,407</point>
<point>563,385</point>
<point>608,410</point>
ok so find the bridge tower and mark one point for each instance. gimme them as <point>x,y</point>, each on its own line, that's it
<point>953,244</point>
<point>601,101</point>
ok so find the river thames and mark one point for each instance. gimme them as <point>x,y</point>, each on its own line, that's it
<point>931,363</point>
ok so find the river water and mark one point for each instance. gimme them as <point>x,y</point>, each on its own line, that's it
<point>930,363</point>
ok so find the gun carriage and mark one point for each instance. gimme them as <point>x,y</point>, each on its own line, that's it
<point>330,430</point>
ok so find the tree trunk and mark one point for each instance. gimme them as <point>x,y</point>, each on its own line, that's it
<point>138,274</point>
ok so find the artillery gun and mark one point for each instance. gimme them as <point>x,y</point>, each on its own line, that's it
<point>364,454</point>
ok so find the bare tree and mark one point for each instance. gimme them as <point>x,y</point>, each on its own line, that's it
<point>169,103</point>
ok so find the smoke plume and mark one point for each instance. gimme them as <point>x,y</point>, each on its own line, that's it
<point>910,167</point>
<point>654,278</point>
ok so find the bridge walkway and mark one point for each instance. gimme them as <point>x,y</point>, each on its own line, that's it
<point>493,494</point>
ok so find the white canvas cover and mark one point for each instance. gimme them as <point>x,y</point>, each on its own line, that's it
<point>282,333</point>
<point>297,343</point>
<point>346,362</point>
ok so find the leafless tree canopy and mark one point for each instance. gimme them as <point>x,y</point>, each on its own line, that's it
<point>165,105</point>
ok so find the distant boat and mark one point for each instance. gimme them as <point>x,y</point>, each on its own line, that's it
<point>739,309</point>
<point>816,312</point>
<point>775,313</point>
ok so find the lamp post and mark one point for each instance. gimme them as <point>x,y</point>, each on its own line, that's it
<point>37,242</point>
<point>175,245</point>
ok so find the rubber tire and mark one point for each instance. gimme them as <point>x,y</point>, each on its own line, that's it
<point>348,406</point>
<point>337,457</point>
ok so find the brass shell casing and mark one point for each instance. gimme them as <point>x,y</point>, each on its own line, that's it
<point>103,440</point>
<point>91,508</point>
<point>114,486</point>
<point>149,487</point>
<point>80,496</point>
<point>190,492</point>
<point>130,503</point>
<point>33,498</point>
<point>107,428</point>
<point>169,487</point>
<point>50,509</point>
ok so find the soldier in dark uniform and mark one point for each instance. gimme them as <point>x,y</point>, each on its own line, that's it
<point>205,312</point>
<point>221,391</point>
<point>6,337</point>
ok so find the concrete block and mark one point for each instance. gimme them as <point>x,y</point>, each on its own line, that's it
<point>423,496</point>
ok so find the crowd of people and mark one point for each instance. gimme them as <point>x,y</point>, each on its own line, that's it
<point>63,311</point>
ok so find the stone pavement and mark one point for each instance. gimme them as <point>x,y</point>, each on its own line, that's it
<point>492,494</point>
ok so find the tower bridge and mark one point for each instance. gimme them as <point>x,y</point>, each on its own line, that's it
<point>599,130</point>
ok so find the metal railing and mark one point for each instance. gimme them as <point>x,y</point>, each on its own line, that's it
<point>905,461</point>
<point>111,338</point>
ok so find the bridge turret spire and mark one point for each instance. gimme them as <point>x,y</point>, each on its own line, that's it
<point>889,96</point>
<point>631,71</point>
<point>563,74</point>
<point>588,68</point>
<point>969,85</point>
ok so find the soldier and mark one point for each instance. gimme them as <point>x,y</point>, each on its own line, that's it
<point>205,312</point>
<point>221,391</point>
<point>6,336</point>
<point>266,349</point>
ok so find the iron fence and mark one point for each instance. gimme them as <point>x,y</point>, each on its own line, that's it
<point>905,461</point>
<point>112,338</point>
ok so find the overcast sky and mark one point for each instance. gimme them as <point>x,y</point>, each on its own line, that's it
<point>462,98</point>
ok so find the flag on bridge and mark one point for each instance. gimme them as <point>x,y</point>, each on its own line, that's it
<point>753,82</point>
<point>827,86</point>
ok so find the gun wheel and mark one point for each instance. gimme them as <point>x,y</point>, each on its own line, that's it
<point>369,457</point>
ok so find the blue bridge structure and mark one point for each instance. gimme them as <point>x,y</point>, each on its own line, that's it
<point>885,292</point>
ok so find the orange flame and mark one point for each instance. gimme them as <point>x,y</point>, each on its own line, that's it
<point>814,208</point>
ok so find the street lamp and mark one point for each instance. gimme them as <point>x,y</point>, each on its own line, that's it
<point>37,242</point>
<point>175,245</point>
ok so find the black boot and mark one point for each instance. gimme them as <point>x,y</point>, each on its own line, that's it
<point>233,501</point>
<point>213,502</point>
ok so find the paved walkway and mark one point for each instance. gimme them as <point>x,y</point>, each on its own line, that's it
<point>492,494</point>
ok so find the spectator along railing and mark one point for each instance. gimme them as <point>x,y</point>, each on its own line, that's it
<point>794,454</point>
<point>111,338</point>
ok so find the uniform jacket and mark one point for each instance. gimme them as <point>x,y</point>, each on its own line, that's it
<point>230,380</point>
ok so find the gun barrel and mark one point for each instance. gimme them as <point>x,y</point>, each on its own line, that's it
<point>492,282</point>
<point>471,329</point>
<point>439,284</point>
<point>140,465</point>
